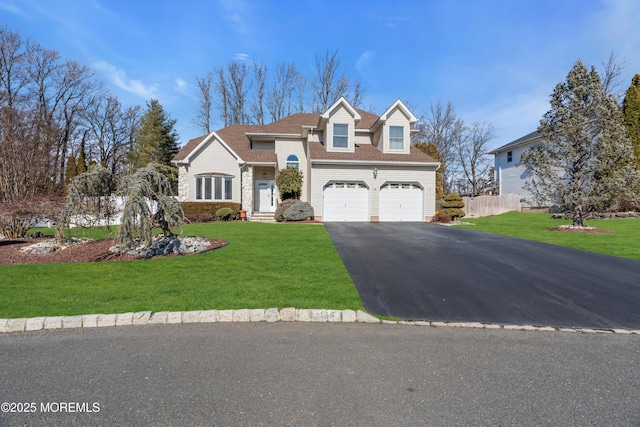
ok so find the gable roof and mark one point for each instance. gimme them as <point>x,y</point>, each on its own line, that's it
<point>367,153</point>
<point>342,101</point>
<point>237,138</point>
<point>527,139</point>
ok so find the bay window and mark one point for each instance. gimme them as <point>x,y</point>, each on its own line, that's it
<point>214,188</point>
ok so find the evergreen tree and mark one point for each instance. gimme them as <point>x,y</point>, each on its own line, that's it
<point>156,139</point>
<point>71,170</point>
<point>631,115</point>
<point>81,165</point>
<point>431,149</point>
<point>583,158</point>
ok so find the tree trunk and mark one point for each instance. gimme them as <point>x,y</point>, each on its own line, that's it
<point>578,216</point>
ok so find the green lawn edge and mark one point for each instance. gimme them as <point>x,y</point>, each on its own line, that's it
<point>264,266</point>
<point>624,242</point>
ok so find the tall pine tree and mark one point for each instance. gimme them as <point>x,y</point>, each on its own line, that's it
<point>156,139</point>
<point>583,159</point>
<point>631,115</point>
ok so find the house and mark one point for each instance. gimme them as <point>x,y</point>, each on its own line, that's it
<point>511,176</point>
<point>356,166</point>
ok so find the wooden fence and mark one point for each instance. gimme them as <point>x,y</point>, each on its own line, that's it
<point>476,207</point>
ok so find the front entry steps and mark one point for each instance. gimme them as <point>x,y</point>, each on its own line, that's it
<point>263,217</point>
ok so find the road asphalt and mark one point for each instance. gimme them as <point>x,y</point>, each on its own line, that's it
<point>311,374</point>
<point>423,271</point>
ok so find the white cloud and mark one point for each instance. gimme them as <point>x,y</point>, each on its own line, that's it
<point>120,79</point>
<point>181,86</point>
<point>242,57</point>
<point>236,13</point>
<point>12,8</point>
<point>363,62</point>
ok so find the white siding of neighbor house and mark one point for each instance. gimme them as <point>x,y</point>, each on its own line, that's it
<point>340,115</point>
<point>287,147</point>
<point>214,158</point>
<point>511,177</point>
<point>396,118</point>
<point>323,174</point>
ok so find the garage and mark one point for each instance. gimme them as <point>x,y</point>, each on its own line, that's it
<point>345,201</point>
<point>401,202</point>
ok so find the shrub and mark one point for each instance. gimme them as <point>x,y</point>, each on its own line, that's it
<point>451,206</point>
<point>628,206</point>
<point>225,214</point>
<point>441,217</point>
<point>289,182</point>
<point>210,208</point>
<point>282,207</point>
<point>17,216</point>
<point>299,211</point>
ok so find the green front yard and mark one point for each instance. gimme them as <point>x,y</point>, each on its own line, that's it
<point>264,265</point>
<point>625,242</point>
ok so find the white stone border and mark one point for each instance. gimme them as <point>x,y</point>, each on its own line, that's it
<point>255,315</point>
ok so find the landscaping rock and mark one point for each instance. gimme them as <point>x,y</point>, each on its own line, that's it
<point>167,245</point>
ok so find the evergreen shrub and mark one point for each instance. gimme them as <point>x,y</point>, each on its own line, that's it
<point>225,214</point>
<point>299,211</point>
<point>451,206</point>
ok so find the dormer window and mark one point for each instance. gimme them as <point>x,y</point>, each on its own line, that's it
<point>340,135</point>
<point>293,162</point>
<point>396,138</point>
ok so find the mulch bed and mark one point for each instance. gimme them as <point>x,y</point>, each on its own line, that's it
<point>585,231</point>
<point>95,251</point>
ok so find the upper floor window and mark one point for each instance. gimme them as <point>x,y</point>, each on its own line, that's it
<point>396,138</point>
<point>214,188</point>
<point>509,156</point>
<point>340,136</point>
<point>293,162</point>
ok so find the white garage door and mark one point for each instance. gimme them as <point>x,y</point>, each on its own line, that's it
<point>345,201</point>
<point>401,202</point>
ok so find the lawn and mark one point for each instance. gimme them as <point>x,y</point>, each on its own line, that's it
<point>624,242</point>
<point>265,265</point>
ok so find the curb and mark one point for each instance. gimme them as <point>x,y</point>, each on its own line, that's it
<point>270,315</point>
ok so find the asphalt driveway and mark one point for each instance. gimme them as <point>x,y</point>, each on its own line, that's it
<point>423,271</point>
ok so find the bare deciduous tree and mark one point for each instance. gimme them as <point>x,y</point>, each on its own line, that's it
<point>204,108</point>
<point>279,98</point>
<point>442,127</point>
<point>328,85</point>
<point>239,86</point>
<point>111,128</point>
<point>473,156</point>
<point>260,79</point>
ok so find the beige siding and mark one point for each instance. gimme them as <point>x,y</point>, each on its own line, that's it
<point>363,138</point>
<point>284,148</point>
<point>214,158</point>
<point>377,137</point>
<point>322,174</point>
<point>396,118</point>
<point>262,145</point>
<point>341,116</point>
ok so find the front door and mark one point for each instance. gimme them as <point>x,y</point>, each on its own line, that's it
<point>265,196</point>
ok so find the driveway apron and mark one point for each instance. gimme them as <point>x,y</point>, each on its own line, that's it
<point>423,271</point>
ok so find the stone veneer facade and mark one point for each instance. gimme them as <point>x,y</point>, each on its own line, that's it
<point>183,184</point>
<point>247,189</point>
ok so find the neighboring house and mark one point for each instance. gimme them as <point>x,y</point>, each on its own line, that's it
<point>510,176</point>
<point>356,166</point>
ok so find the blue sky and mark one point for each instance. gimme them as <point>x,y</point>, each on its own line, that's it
<point>496,61</point>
